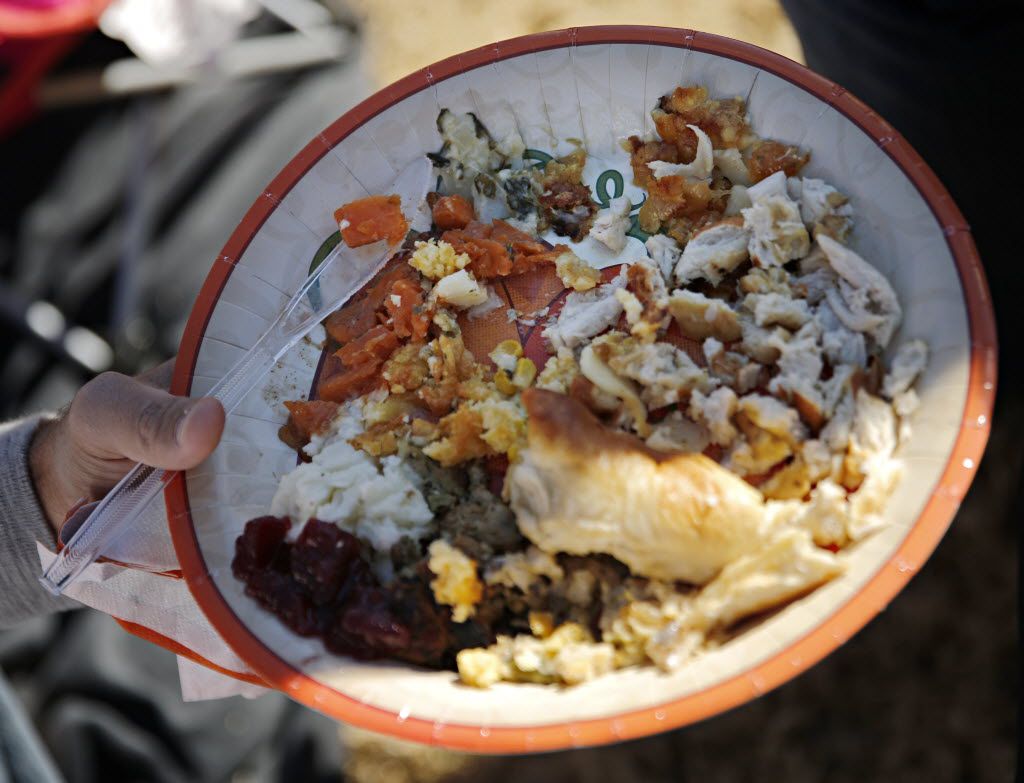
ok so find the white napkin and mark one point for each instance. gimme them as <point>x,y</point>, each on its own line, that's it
<point>161,606</point>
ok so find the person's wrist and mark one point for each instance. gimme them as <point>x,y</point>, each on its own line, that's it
<point>48,478</point>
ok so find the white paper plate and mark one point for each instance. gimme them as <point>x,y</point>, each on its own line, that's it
<point>598,85</point>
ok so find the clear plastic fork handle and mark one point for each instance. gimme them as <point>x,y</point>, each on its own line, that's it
<point>334,284</point>
<point>131,496</point>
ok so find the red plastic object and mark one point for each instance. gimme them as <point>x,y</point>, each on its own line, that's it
<point>34,36</point>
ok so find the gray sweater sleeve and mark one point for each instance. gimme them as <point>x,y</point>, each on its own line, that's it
<point>22,523</point>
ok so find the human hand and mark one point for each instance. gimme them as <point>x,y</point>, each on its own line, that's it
<point>113,422</point>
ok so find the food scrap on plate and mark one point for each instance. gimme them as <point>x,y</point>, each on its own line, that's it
<point>654,454</point>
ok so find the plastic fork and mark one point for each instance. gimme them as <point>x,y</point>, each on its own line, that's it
<point>328,287</point>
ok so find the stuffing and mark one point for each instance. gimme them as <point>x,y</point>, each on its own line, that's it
<point>575,273</point>
<point>865,301</point>
<point>761,344</point>
<point>455,582</point>
<point>559,373</point>
<point>567,206</point>
<point>777,234</point>
<point>712,349</point>
<point>522,570</point>
<point>822,207</point>
<point>736,370</point>
<point>458,438</point>
<point>700,317</point>
<point>713,252</point>
<point>814,284</point>
<point>767,158</point>
<point>645,300</point>
<point>839,344</point>
<point>773,280</point>
<point>664,372</point>
<point>481,667</point>
<point>715,411</point>
<point>724,120</point>
<point>800,362</point>
<point>664,251</point>
<point>631,306</point>
<point>699,168</point>
<point>774,308</point>
<point>503,424</point>
<point>597,371</point>
<point>568,655</point>
<point>585,315</point>
<point>435,259</point>
<point>758,451</point>
<point>612,223</point>
<point>677,433</point>
<point>773,416</point>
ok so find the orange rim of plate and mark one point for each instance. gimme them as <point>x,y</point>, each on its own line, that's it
<point>833,630</point>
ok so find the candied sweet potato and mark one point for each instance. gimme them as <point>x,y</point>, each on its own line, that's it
<point>349,383</point>
<point>309,417</point>
<point>404,303</point>
<point>498,249</point>
<point>452,212</point>
<point>377,344</point>
<point>489,257</point>
<point>360,314</point>
<point>370,219</point>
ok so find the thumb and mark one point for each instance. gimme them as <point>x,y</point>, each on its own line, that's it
<point>120,417</point>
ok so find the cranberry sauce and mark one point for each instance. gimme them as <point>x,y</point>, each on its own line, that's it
<point>319,585</point>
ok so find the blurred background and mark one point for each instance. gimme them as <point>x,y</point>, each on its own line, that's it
<point>134,135</point>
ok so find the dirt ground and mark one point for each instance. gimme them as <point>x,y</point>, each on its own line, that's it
<point>404,35</point>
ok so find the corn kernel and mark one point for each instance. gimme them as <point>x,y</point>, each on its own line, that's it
<point>503,383</point>
<point>505,355</point>
<point>513,453</point>
<point>526,372</point>
<point>510,346</point>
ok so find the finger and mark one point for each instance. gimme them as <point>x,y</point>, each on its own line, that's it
<point>159,376</point>
<point>114,416</point>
